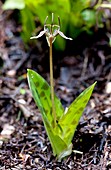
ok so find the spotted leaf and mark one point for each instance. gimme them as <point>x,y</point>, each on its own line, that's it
<point>41,93</point>
<point>60,136</point>
<point>70,119</point>
<point>42,96</point>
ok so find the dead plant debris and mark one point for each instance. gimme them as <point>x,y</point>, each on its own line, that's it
<point>23,141</point>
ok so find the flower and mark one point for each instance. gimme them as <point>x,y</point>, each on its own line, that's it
<point>51,31</point>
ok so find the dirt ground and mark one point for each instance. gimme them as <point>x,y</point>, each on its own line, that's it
<point>23,141</point>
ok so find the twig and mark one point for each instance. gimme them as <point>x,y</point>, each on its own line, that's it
<point>84,65</point>
<point>105,156</point>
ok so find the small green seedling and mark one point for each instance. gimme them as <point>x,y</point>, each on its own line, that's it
<point>60,124</point>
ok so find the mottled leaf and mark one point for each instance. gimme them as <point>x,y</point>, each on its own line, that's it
<point>60,148</point>
<point>70,120</point>
<point>42,96</point>
<point>60,136</point>
<point>41,93</point>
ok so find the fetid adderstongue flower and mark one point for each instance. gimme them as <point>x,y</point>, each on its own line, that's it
<point>51,31</point>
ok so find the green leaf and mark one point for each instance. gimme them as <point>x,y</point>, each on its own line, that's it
<point>89,17</point>
<point>60,148</point>
<point>60,136</point>
<point>14,4</point>
<point>41,93</point>
<point>79,5</point>
<point>70,120</point>
<point>42,96</point>
<point>27,22</point>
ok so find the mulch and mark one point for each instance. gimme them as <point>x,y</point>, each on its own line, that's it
<point>23,140</point>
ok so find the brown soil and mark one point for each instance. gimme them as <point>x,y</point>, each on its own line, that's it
<point>23,141</point>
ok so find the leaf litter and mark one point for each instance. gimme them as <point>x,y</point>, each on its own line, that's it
<point>27,145</point>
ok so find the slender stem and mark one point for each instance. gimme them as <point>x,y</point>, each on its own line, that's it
<point>51,81</point>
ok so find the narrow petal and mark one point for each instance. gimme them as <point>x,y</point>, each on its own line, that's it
<point>55,33</point>
<point>62,35</point>
<point>40,35</point>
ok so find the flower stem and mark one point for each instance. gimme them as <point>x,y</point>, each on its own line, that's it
<point>51,81</point>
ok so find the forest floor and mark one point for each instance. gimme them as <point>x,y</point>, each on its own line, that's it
<point>24,144</point>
